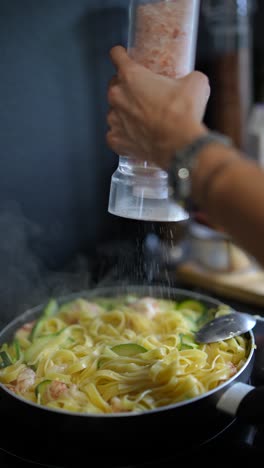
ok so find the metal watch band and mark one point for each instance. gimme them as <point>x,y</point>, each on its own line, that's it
<point>184,159</point>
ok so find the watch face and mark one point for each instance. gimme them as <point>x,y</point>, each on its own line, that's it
<point>180,182</point>
<point>184,177</point>
<point>183,162</point>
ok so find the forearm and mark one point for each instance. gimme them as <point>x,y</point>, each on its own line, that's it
<point>233,196</point>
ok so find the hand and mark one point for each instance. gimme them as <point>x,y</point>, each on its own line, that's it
<point>150,115</point>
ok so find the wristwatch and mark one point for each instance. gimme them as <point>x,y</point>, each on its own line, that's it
<point>183,161</point>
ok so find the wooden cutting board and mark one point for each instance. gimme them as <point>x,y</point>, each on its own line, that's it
<point>246,286</point>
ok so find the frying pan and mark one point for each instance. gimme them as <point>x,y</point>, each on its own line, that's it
<point>61,437</point>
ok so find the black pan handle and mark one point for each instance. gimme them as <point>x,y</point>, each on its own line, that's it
<point>244,402</point>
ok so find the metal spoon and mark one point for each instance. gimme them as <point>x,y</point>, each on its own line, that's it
<point>226,326</point>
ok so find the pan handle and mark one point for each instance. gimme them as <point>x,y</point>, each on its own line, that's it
<point>244,402</point>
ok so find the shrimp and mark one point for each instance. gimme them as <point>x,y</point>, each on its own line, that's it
<point>28,326</point>
<point>25,380</point>
<point>233,368</point>
<point>147,306</point>
<point>24,331</point>
<point>233,371</point>
<point>11,387</point>
<point>55,390</point>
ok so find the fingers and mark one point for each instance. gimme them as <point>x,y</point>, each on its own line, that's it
<point>113,121</point>
<point>113,90</point>
<point>116,137</point>
<point>113,81</point>
<point>117,143</point>
<point>117,97</point>
<point>119,57</point>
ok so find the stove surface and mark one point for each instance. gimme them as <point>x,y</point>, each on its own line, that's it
<point>238,444</point>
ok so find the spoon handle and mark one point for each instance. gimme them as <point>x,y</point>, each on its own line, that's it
<point>259,318</point>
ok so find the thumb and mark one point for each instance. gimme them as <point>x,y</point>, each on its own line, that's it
<point>199,86</point>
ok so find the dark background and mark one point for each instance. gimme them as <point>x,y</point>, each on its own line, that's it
<point>55,167</point>
<point>54,163</point>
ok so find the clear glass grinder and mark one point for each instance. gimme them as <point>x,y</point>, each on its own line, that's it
<point>162,36</point>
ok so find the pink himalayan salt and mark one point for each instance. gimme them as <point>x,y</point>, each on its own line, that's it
<point>164,37</point>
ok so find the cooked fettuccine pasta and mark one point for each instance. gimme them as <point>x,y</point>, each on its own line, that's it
<point>129,354</point>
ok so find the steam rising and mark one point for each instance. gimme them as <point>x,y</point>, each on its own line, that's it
<point>26,280</point>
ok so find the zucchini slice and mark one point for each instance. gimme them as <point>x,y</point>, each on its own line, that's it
<point>41,388</point>
<point>17,349</point>
<point>5,359</point>
<point>187,342</point>
<point>129,349</point>
<point>192,304</point>
<point>50,310</point>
